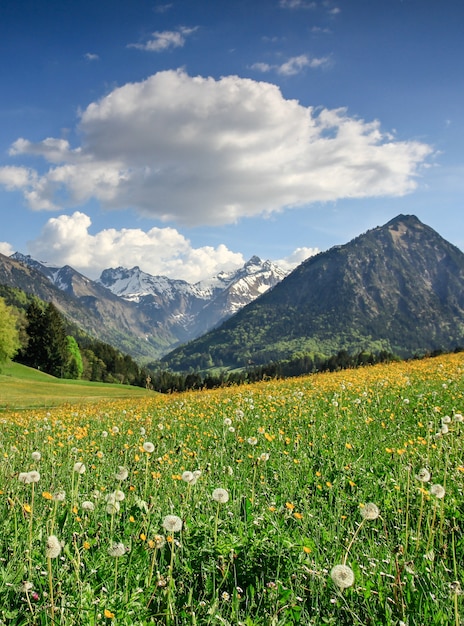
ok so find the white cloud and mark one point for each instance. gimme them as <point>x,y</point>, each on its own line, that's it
<point>204,151</point>
<point>297,4</point>
<point>294,65</point>
<point>66,240</point>
<point>296,257</point>
<point>12,177</point>
<point>90,56</point>
<point>163,40</point>
<point>6,248</point>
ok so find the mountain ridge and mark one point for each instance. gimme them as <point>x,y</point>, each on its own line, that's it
<point>145,315</point>
<point>366,294</point>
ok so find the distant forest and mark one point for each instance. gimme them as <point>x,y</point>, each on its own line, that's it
<point>49,343</point>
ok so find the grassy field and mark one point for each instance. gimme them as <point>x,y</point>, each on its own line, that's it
<point>23,387</point>
<point>330,499</point>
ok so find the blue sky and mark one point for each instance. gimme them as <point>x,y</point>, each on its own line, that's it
<point>187,136</point>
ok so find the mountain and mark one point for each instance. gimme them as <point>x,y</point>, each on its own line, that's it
<point>143,315</point>
<point>90,306</point>
<point>190,310</point>
<point>398,287</point>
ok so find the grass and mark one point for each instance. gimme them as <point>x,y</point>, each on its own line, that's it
<point>316,472</point>
<point>23,387</point>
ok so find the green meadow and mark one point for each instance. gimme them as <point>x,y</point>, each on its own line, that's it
<point>328,499</point>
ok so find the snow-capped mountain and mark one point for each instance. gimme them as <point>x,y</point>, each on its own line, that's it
<point>174,310</point>
<point>195,307</point>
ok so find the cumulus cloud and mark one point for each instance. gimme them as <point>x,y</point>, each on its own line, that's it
<point>6,248</point>
<point>163,40</point>
<point>296,257</point>
<point>205,151</point>
<point>66,240</point>
<point>90,56</point>
<point>293,66</point>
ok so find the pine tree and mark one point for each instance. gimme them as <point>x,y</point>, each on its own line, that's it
<point>47,346</point>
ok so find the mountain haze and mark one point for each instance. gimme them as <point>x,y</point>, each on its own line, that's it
<point>398,287</point>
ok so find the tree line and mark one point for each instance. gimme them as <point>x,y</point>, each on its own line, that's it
<point>36,334</point>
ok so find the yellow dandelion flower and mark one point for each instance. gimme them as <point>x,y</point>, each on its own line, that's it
<point>297,515</point>
<point>108,614</point>
<point>86,545</point>
<point>47,495</point>
<point>289,506</point>
<point>306,550</point>
<point>143,536</point>
<point>348,446</point>
<point>27,508</point>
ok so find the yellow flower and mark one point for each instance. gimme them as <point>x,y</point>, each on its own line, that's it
<point>108,614</point>
<point>27,508</point>
<point>289,506</point>
<point>143,536</point>
<point>348,446</point>
<point>86,545</point>
<point>47,495</point>
<point>297,516</point>
<point>306,549</point>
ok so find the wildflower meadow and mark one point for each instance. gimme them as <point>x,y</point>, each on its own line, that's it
<point>328,499</point>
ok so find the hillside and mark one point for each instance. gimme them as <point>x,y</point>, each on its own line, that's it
<point>398,287</point>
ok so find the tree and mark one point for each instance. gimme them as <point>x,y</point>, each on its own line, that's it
<point>47,346</point>
<point>9,335</point>
<point>74,365</point>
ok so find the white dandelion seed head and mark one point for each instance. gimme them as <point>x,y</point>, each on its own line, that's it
<point>53,548</point>
<point>264,457</point>
<point>117,549</point>
<point>112,507</point>
<point>342,576</point>
<point>172,523</point>
<point>220,495</point>
<point>444,430</point>
<point>458,417</point>
<point>36,456</point>
<point>59,496</point>
<point>159,541</point>
<point>227,421</point>
<point>122,473</point>
<point>88,506</point>
<point>423,475</point>
<point>252,441</point>
<point>23,477</point>
<point>34,476</point>
<point>148,447</point>
<point>79,468</point>
<point>187,477</point>
<point>438,491</point>
<point>104,434</point>
<point>370,511</point>
<point>27,586</point>
<point>142,431</point>
<point>446,419</point>
<point>115,430</point>
<point>231,429</point>
<point>118,495</point>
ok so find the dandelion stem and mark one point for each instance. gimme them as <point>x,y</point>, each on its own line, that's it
<point>408,483</point>
<point>30,530</point>
<point>216,522</point>
<point>352,541</point>
<point>50,587</point>
<point>419,523</point>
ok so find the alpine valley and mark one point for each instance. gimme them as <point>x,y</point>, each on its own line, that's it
<point>142,315</point>
<point>397,288</point>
